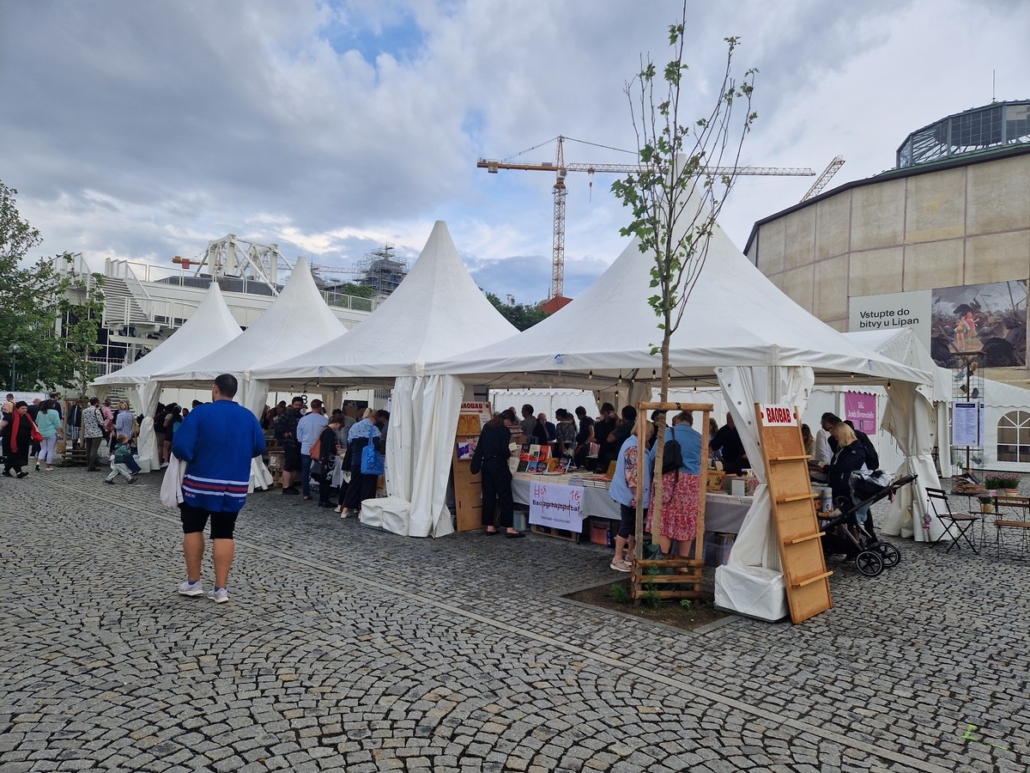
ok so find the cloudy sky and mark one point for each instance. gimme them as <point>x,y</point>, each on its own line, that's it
<point>143,130</point>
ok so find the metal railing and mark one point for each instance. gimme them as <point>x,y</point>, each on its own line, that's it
<point>102,366</point>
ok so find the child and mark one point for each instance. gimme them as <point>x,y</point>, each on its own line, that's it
<point>119,462</point>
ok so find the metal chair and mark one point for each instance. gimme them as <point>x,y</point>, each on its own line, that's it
<point>962,523</point>
<point>1021,506</point>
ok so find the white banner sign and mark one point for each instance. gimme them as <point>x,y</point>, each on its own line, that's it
<point>892,311</point>
<point>556,506</point>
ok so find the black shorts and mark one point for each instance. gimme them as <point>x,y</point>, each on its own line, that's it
<point>628,525</point>
<point>194,519</point>
<point>291,457</point>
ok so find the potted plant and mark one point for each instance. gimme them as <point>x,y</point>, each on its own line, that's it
<point>1011,484</point>
<point>986,504</point>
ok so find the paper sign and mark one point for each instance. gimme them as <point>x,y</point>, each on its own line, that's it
<point>556,506</point>
<point>967,424</point>
<point>860,410</point>
<point>778,416</point>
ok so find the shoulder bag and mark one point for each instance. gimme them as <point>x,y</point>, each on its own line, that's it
<point>371,459</point>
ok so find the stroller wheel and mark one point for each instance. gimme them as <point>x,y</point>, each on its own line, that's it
<point>869,563</point>
<point>890,554</point>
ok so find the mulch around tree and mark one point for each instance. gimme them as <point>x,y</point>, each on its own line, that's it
<point>672,613</point>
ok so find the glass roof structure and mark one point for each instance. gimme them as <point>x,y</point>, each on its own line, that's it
<point>973,131</point>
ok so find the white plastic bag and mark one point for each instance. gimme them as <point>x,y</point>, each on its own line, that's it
<point>171,486</point>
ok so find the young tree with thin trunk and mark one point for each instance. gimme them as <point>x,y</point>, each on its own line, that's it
<point>687,169</point>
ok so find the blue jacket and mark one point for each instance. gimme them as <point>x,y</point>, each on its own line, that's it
<point>218,441</point>
<point>690,447</point>
<point>625,481</point>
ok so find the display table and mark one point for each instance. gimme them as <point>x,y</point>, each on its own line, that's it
<point>723,513</point>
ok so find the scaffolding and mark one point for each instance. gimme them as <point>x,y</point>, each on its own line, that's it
<point>382,270</point>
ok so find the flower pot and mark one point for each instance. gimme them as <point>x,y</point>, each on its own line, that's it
<point>987,507</point>
<point>1012,492</point>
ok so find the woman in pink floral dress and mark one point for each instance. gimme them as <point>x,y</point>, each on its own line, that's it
<point>681,489</point>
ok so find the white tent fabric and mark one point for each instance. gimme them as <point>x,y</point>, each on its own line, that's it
<point>752,581</point>
<point>735,317</point>
<point>297,321</point>
<point>209,328</point>
<point>437,311</point>
<point>913,417</point>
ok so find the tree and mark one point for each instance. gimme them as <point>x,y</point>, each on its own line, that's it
<point>81,308</point>
<point>521,316</point>
<point>358,291</point>
<point>49,318</point>
<point>677,194</point>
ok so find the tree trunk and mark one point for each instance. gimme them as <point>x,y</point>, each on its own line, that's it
<point>657,491</point>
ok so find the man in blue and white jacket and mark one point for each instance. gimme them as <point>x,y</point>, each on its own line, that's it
<point>217,442</point>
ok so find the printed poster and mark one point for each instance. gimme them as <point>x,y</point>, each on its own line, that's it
<point>967,424</point>
<point>556,506</point>
<point>860,410</point>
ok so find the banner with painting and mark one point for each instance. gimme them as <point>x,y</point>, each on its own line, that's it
<point>990,318</point>
<point>987,318</point>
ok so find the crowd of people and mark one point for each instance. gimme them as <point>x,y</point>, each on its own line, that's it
<point>329,448</point>
<point>608,443</point>
<point>333,450</point>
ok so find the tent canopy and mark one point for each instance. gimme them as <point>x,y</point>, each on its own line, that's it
<point>209,328</point>
<point>437,311</point>
<point>735,317</point>
<point>904,346</point>
<point>296,321</point>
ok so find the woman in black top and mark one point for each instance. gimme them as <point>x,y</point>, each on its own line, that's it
<point>17,437</point>
<point>850,457</point>
<point>491,458</point>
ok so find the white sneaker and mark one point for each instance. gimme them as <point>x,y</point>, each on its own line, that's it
<point>218,595</point>
<point>188,588</point>
<point>620,566</point>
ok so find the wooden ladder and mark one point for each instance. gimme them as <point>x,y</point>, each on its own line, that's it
<point>794,512</point>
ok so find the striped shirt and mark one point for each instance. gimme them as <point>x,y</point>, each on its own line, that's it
<point>218,441</point>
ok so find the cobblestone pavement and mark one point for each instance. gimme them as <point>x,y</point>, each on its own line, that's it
<point>345,648</point>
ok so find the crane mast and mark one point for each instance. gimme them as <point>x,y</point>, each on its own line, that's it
<point>561,170</point>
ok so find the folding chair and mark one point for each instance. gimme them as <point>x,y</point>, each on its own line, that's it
<point>962,523</point>
<point>1021,506</point>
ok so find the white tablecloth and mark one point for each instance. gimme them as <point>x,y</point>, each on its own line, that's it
<point>723,513</point>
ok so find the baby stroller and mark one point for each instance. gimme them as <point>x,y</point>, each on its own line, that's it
<point>849,529</point>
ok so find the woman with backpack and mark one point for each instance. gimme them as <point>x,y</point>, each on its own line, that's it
<point>681,485</point>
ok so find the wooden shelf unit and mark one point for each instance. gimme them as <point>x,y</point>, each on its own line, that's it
<point>794,510</point>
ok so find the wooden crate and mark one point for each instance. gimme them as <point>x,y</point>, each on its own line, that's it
<point>547,531</point>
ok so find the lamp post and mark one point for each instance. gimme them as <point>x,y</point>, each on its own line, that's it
<point>14,366</point>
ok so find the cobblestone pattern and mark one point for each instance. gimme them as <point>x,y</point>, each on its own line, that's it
<point>347,648</point>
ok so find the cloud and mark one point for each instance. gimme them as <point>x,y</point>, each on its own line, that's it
<point>143,130</point>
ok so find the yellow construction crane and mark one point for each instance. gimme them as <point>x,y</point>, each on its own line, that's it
<point>561,169</point>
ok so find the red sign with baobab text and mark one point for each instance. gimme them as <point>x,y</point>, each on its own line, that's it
<point>778,416</point>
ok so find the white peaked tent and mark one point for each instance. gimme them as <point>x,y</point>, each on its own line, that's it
<point>737,328</point>
<point>298,320</point>
<point>917,417</point>
<point>437,311</point>
<point>209,328</point>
